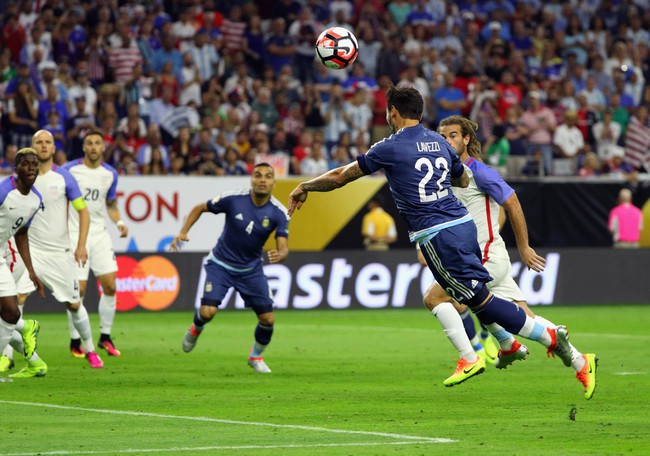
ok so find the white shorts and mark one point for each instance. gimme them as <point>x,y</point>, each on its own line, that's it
<point>7,282</point>
<point>57,271</point>
<point>503,285</point>
<point>101,256</point>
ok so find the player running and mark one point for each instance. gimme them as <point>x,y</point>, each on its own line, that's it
<point>236,260</point>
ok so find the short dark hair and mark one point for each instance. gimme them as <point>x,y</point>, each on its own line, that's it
<point>406,100</point>
<point>264,164</point>
<point>94,133</point>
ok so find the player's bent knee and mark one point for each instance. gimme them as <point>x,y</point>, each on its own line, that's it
<point>266,319</point>
<point>208,309</point>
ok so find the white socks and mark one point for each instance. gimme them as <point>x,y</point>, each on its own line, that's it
<point>453,326</point>
<point>106,313</point>
<point>82,324</point>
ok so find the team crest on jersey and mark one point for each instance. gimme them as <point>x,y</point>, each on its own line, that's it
<point>208,287</point>
<point>266,222</point>
<point>53,190</point>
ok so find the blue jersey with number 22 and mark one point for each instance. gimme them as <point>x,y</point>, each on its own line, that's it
<point>419,165</point>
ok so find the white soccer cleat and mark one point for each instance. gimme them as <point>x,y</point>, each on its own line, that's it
<point>259,365</point>
<point>517,352</point>
<point>560,344</point>
<point>189,340</point>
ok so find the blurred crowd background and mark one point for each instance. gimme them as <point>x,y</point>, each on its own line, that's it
<point>212,87</point>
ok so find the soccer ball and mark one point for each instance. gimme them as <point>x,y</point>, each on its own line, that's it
<point>337,48</point>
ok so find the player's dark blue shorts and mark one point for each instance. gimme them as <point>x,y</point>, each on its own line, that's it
<point>252,286</point>
<point>454,257</point>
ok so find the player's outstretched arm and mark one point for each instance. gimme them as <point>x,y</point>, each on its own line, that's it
<point>518,221</point>
<point>22,243</point>
<point>281,252</point>
<point>331,180</point>
<point>191,219</point>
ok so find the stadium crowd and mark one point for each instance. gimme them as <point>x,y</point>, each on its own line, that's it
<point>212,87</point>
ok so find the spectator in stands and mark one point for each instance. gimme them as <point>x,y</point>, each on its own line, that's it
<point>22,108</point>
<point>591,166</point>
<point>615,166</point>
<point>315,163</point>
<point>77,127</point>
<point>336,119</point>
<point>637,140</point>
<point>280,46</point>
<point>153,146</point>
<point>14,36</point>
<point>254,46</point>
<point>232,164</point>
<point>625,222</point>
<point>568,139</point>
<point>205,55</point>
<point>190,88</point>
<point>304,30</point>
<point>595,98</point>
<point>123,58</point>
<point>208,164</point>
<point>449,99</point>
<point>55,126</point>
<point>538,124</point>
<point>50,103</point>
<point>155,166</point>
<point>606,133</point>
<point>167,53</point>
<point>7,164</point>
<point>232,29</point>
<point>359,114</point>
<point>83,88</point>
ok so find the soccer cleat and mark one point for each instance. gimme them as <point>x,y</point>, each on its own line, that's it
<point>464,371</point>
<point>587,376</point>
<point>259,365</point>
<point>490,346</point>
<point>76,349</point>
<point>560,344</point>
<point>481,353</point>
<point>30,337</point>
<point>94,360</point>
<point>109,347</point>
<point>6,363</point>
<point>189,340</point>
<point>36,368</point>
<point>516,352</point>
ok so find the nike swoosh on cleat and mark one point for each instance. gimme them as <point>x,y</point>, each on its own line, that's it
<point>470,369</point>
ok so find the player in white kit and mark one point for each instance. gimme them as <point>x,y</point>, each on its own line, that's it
<point>98,183</point>
<point>19,202</point>
<point>54,261</point>
<point>486,193</point>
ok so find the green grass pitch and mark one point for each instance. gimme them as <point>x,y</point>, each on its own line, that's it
<point>344,383</point>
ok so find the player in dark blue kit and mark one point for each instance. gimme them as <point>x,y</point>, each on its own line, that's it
<point>421,167</point>
<point>236,260</point>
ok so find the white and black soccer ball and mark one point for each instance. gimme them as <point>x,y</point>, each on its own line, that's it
<point>337,48</point>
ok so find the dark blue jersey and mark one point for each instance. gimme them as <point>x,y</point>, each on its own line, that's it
<point>419,165</point>
<point>247,228</point>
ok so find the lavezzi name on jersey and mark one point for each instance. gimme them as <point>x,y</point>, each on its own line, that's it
<point>351,282</point>
<point>432,146</point>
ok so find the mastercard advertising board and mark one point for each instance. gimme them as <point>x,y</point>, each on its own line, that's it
<point>152,283</point>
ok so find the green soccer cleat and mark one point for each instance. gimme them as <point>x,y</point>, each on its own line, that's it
<point>491,347</point>
<point>36,368</point>
<point>464,371</point>
<point>30,337</point>
<point>587,376</point>
<point>6,363</point>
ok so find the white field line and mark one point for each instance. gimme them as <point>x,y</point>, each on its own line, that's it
<point>402,438</point>
<point>213,448</point>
